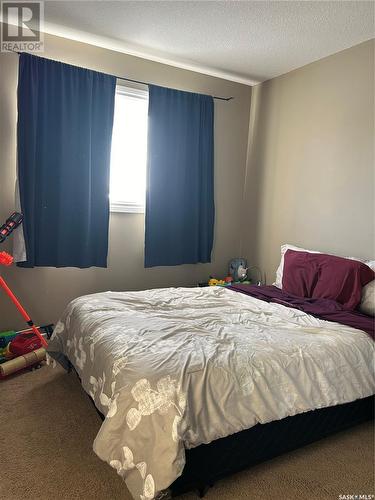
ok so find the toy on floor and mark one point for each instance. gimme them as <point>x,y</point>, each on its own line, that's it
<point>6,229</point>
<point>32,358</point>
<point>228,281</point>
<point>238,269</point>
<point>19,345</point>
<point>6,337</point>
<point>13,344</point>
<point>237,274</point>
<point>215,282</point>
<point>16,355</point>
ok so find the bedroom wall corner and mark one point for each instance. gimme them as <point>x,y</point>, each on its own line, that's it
<point>310,168</point>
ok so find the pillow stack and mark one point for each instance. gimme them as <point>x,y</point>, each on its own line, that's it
<point>307,273</point>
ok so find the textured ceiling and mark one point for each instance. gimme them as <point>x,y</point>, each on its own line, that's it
<point>246,41</point>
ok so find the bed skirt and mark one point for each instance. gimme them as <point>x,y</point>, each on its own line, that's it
<point>206,464</point>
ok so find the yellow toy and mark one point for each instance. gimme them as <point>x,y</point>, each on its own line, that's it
<point>6,353</point>
<point>215,282</point>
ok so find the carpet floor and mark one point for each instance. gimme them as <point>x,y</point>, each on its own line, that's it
<point>48,426</point>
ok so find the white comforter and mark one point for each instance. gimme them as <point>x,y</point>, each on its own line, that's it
<point>177,367</point>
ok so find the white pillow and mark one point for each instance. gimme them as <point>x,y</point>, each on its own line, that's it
<point>367,305</point>
<point>284,248</point>
<point>280,269</point>
<point>370,263</point>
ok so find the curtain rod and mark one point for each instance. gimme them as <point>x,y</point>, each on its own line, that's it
<point>147,83</point>
<point>125,79</point>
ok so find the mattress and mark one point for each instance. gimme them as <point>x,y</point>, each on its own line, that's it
<point>175,368</point>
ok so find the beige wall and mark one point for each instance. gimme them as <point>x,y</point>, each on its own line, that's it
<point>45,291</point>
<point>310,178</point>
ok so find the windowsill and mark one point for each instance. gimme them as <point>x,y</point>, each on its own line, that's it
<point>130,208</point>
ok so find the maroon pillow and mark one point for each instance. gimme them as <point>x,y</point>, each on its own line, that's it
<point>300,273</point>
<point>323,276</point>
<point>341,279</point>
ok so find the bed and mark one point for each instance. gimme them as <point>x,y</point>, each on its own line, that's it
<point>197,383</point>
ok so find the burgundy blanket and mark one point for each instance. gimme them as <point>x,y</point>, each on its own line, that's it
<point>326,309</point>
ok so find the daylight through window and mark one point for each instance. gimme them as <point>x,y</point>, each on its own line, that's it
<point>129,150</point>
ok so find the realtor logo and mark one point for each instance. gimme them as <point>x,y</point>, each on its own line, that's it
<point>22,26</point>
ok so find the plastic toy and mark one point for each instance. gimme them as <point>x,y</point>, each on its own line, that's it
<point>215,282</point>
<point>238,269</point>
<point>13,221</point>
<point>32,358</point>
<point>6,337</point>
<point>24,343</point>
<point>6,260</point>
<point>13,344</point>
<point>5,354</point>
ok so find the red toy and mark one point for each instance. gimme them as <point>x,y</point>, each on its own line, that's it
<point>13,221</point>
<point>24,343</point>
<point>6,260</point>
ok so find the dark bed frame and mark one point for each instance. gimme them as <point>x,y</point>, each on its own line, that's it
<point>208,463</point>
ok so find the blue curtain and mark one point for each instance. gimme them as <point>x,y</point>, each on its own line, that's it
<point>180,178</point>
<point>65,117</point>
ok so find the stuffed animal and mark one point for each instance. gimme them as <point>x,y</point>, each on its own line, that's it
<point>238,269</point>
<point>242,273</point>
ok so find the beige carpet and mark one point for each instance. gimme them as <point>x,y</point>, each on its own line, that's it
<point>48,426</point>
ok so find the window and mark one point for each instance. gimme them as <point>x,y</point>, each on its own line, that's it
<point>129,150</point>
